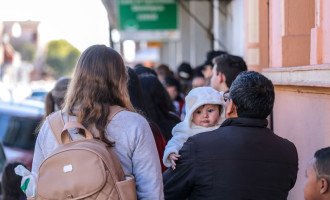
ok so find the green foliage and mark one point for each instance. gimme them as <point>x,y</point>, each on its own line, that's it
<point>26,49</point>
<point>61,57</point>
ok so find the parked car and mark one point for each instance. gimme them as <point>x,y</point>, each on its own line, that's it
<point>3,161</point>
<point>39,95</point>
<point>18,124</point>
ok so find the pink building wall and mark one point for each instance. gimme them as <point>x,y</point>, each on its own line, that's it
<point>299,67</point>
<point>303,118</point>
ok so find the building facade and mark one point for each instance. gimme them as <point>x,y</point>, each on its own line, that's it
<point>224,19</point>
<point>289,42</point>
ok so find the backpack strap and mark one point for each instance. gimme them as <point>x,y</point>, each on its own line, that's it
<point>56,124</point>
<point>114,110</point>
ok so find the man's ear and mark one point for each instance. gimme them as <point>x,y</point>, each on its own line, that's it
<point>222,77</point>
<point>231,111</point>
<point>324,185</point>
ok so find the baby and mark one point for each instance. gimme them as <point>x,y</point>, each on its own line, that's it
<point>204,112</point>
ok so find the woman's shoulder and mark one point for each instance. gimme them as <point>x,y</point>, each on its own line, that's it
<point>130,118</point>
<point>44,130</point>
<point>127,124</point>
<point>46,139</point>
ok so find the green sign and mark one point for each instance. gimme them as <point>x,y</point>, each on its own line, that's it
<point>147,15</point>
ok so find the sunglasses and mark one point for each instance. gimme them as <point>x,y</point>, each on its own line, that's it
<point>226,96</point>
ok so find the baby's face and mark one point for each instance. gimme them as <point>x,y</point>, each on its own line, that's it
<point>206,115</point>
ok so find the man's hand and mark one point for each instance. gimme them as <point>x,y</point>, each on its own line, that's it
<point>173,157</point>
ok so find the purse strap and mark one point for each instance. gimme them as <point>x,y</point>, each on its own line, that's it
<point>57,124</point>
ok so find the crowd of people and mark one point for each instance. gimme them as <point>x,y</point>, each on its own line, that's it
<point>197,133</point>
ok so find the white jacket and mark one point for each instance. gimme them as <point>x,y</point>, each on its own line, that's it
<point>185,129</point>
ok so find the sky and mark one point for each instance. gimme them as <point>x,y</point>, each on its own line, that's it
<point>81,22</point>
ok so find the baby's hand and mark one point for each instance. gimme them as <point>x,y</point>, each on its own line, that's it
<point>173,157</point>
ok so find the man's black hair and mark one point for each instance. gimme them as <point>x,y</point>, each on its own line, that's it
<point>142,70</point>
<point>210,55</point>
<point>253,94</point>
<point>230,66</point>
<point>322,163</point>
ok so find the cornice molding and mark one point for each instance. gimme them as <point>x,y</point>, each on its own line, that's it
<point>304,76</point>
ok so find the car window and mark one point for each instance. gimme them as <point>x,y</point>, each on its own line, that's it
<point>2,158</point>
<point>4,122</point>
<point>17,131</point>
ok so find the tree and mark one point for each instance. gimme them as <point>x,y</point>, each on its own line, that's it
<point>61,57</point>
<point>26,49</point>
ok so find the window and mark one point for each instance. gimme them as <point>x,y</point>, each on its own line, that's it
<point>17,131</point>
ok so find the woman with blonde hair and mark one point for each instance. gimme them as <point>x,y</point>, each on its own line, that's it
<point>99,85</point>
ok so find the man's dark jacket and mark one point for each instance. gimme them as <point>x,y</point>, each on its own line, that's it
<point>243,159</point>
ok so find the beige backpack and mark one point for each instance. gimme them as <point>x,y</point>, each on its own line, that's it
<point>82,169</point>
